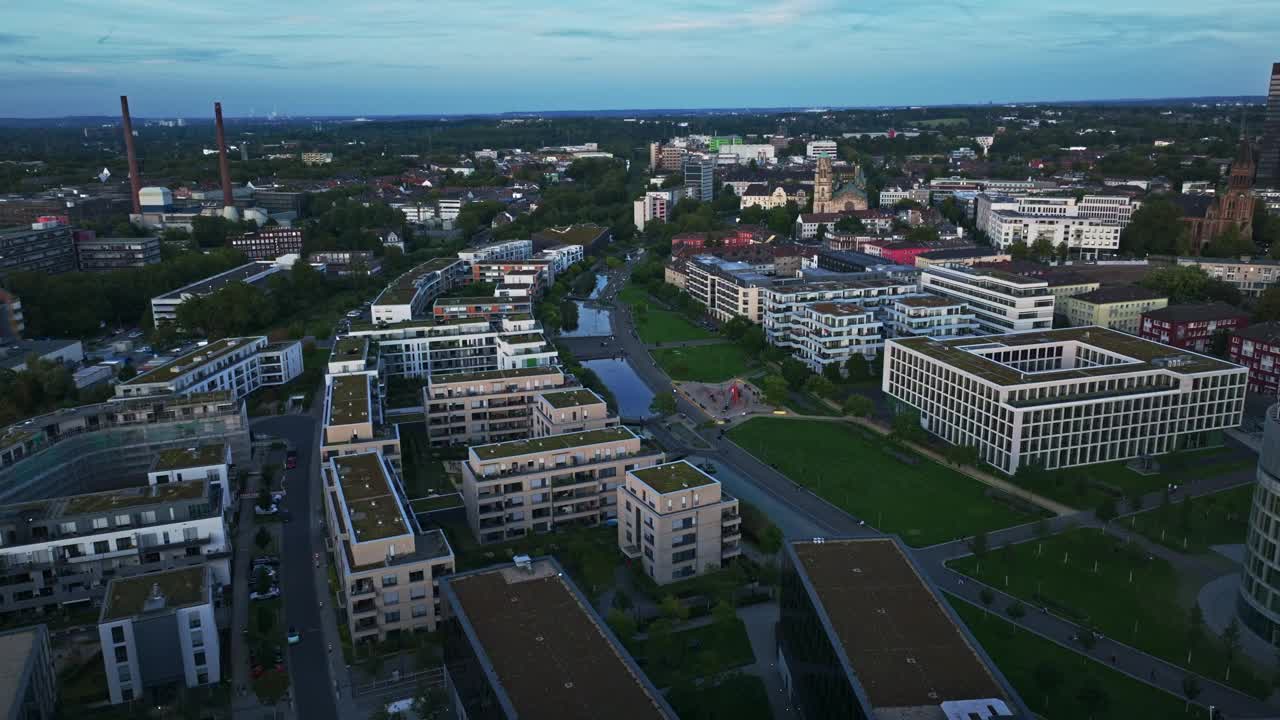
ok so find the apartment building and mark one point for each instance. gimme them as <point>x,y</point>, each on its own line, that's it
<point>891,196</point>
<point>1086,236</point>
<point>164,307</point>
<point>726,289</point>
<point>1117,307</point>
<point>482,308</point>
<point>829,333</point>
<point>1251,276</point>
<point>158,630</point>
<point>420,348</point>
<point>1193,326</point>
<point>347,262</point>
<point>572,410</point>
<point>353,418</point>
<point>472,408</point>
<point>238,365</point>
<point>929,316</point>
<point>388,567</point>
<point>864,633</point>
<point>408,296</point>
<point>561,257</point>
<point>1257,347</point>
<point>95,254</point>
<point>677,521</point>
<point>209,463</point>
<point>1001,301</point>
<point>815,149</point>
<point>522,641</point>
<point>525,279</point>
<point>515,488</point>
<point>1066,397</point>
<point>46,247</point>
<point>269,243</point>
<point>655,205</point>
<point>509,251</point>
<point>30,688</point>
<point>789,320</point>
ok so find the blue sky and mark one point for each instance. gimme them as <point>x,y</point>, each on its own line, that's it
<point>174,57</point>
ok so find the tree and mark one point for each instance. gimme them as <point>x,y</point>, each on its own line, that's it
<point>1018,250</point>
<point>1093,698</point>
<point>819,385</point>
<point>1267,308</point>
<point>987,597</point>
<point>978,543</point>
<point>736,327</point>
<point>856,367</point>
<point>1042,248</point>
<point>127,372</point>
<point>963,455</point>
<point>858,406</point>
<point>923,234</point>
<point>906,426</point>
<point>663,404</point>
<point>262,538</point>
<point>1063,252</point>
<point>795,373</point>
<point>1189,284</point>
<point>1048,677</point>
<point>262,580</point>
<point>1153,228</point>
<point>264,497</point>
<point>622,624</point>
<point>1229,243</point>
<point>1190,689</point>
<point>673,609</point>
<point>431,703</point>
<point>831,371</point>
<point>850,224</point>
<point>775,390</point>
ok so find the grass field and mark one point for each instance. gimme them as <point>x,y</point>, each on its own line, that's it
<point>941,122</point>
<point>920,500</point>
<point>657,325</point>
<point>423,472</point>
<point>738,696</point>
<point>1100,581</point>
<point>703,363</point>
<point>1023,657</point>
<point>1218,519</point>
<point>1086,487</point>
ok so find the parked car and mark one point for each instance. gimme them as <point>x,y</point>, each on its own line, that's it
<point>257,510</point>
<point>274,592</point>
<point>294,636</point>
<point>291,459</point>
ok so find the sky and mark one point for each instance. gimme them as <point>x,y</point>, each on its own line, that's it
<point>381,57</point>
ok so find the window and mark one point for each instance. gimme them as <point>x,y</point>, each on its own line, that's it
<point>417,576</point>
<point>417,593</point>
<point>117,634</point>
<point>194,621</point>
<point>67,528</point>
<point>124,543</point>
<point>122,654</point>
<point>123,520</point>
<point>392,616</point>
<point>123,673</point>
<point>420,610</point>
<point>101,546</point>
<point>390,580</point>
<point>202,678</point>
<point>148,516</point>
<point>99,523</point>
<point>391,598</point>
<point>200,659</point>
<point>126,694</point>
<point>197,639</point>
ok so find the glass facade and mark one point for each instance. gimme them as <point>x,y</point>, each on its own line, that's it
<point>1259,599</point>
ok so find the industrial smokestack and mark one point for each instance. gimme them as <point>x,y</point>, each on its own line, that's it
<point>135,180</point>
<point>224,166</point>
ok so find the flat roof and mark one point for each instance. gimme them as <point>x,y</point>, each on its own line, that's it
<point>982,271</point>
<point>580,234</point>
<point>16,647</point>
<point>214,283</point>
<point>111,500</point>
<point>350,347</point>
<point>127,596</point>
<point>488,375</point>
<point>571,398</point>
<point>178,458</point>
<point>903,645</point>
<point>371,503</point>
<point>1149,355</point>
<point>842,309</point>
<point>1196,312</point>
<point>402,290</point>
<point>191,361</point>
<point>928,301</point>
<point>673,477</point>
<point>549,652</point>
<point>349,399</point>
<point>1121,293</point>
<point>551,443</point>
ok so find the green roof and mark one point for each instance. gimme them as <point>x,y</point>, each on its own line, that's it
<point>672,477</point>
<point>127,596</point>
<point>188,362</point>
<point>134,496</point>
<point>571,398</point>
<point>350,347</point>
<point>371,503</point>
<point>552,443</point>
<point>177,458</point>
<point>402,290</point>
<point>488,375</point>
<point>349,400</point>
<point>522,338</point>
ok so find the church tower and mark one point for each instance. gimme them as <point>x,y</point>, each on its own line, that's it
<point>823,182</point>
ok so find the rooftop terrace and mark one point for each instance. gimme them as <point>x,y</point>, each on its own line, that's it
<point>571,398</point>
<point>552,443</point>
<point>350,347</point>
<point>127,597</point>
<point>178,458</point>
<point>673,477</point>
<point>371,503</point>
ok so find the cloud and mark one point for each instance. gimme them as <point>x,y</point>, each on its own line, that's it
<point>14,38</point>
<point>581,34</point>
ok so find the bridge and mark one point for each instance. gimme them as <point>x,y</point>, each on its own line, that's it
<point>592,348</point>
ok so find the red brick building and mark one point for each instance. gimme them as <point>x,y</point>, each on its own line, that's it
<point>1208,217</point>
<point>699,241</point>
<point>1191,327</point>
<point>1257,347</point>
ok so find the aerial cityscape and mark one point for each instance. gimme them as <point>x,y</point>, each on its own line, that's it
<point>571,394</point>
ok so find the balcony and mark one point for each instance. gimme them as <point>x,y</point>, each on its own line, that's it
<point>631,551</point>
<point>362,588</point>
<point>364,607</point>
<point>576,478</point>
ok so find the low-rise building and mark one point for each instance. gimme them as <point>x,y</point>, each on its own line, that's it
<point>238,365</point>
<point>1039,398</point>
<point>388,567</point>
<point>677,521</point>
<point>568,411</point>
<point>522,641</point>
<point>1118,307</point>
<point>810,225</point>
<point>1194,326</point>
<point>164,307</point>
<point>1257,347</point>
<point>269,243</point>
<point>14,354</point>
<point>776,196</point>
<point>519,487</point>
<point>1001,301</point>
<point>472,408</point>
<point>864,633</point>
<point>107,254</point>
<point>158,630</point>
<point>46,247</point>
<point>930,316</point>
<point>347,262</point>
<point>815,149</point>
<point>29,690</point>
<point>1251,276</point>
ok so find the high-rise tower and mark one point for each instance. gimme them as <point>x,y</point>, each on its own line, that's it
<point>1269,152</point>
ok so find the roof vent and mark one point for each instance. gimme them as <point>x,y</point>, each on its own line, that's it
<point>154,601</point>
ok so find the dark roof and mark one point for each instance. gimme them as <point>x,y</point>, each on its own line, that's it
<point>1196,312</point>
<point>960,253</point>
<point>1121,293</point>
<point>1266,332</point>
<point>755,189</point>
<point>1194,206</point>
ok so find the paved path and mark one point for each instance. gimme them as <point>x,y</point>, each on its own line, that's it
<point>761,623</point>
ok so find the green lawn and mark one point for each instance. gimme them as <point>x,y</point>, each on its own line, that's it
<point>423,471</point>
<point>703,652</point>
<point>803,403</point>
<point>738,696</point>
<point>1100,581</point>
<point>703,363</point>
<point>1023,656</point>
<point>1087,486</point>
<point>901,493</point>
<point>664,326</point>
<point>1192,526</point>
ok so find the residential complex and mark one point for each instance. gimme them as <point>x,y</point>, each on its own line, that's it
<point>1192,327</point>
<point>726,289</point>
<point>522,641</point>
<point>677,521</point>
<point>164,307</point>
<point>237,365</point>
<point>574,410</point>
<point>269,243</point>
<point>1060,398</point>
<point>28,682</point>
<point>515,488</point>
<point>388,567</point>
<point>159,630</point>
<point>1257,347</point>
<point>408,296</point>
<point>511,250</point>
<point>486,308</point>
<point>929,315</point>
<point>420,348</point>
<point>354,420</point>
<point>1118,307</point>
<point>1001,302</point>
<point>863,633</point>
<point>46,247</point>
<point>95,254</point>
<point>1251,275</point>
<point>473,408</point>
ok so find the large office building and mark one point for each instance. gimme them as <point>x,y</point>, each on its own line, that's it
<point>515,488</point>
<point>164,308</point>
<point>158,630</point>
<point>46,247</point>
<point>95,254</point>
<point>388,566</point>
<point>1001,301</point>
<point>1258,603</point>
<point>864,634</point>
<point>1269,152</point>
<point>28,683</point>
<point>522,641</point>
<point>475,408</point>
<point>677,521</point>
<point>237,365</point>
<point>269,243</point>
<point>1061,398</point>
<point>408,296</point>
<point>700,177</point>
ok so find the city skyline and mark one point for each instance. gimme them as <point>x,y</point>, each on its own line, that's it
<point>401,57</point>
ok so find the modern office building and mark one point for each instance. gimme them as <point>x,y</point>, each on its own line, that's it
<point>475,408</point>
<point>699,177</point>
<point>1119,307</point>
<point>515,488</point>
<point>522,641</point>
<point>862,633</point>
<point>164,308</point>
<point>1258,603</point>
<point>815,149</point>
<point>28,682</point>
<point>388,567</point>
<point>238,365</point>
<point>677,521</point>
<point>1269,152</point>
<point>573,410</point>
<point>1251,276</point>
<point>46,247</point>
<point>1060,398</point>
<point>1257,347</point>
<point>930,316</point>
<point>95,254</point>
<point>158,630</point>
<point>408,296</point>
<point>269,243</point>
<point>1001,302</point>
<point>1194,326</point>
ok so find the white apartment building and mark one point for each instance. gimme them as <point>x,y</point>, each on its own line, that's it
<point>1067,397</point>
<point>561,257</point>
<point>893,195</point>
<point>930,316</point>
<point>1001,302</point>
<point>726,289</point>
<point>238,365</point>
<point>159,630</point>
<point>210,463</point>
<point>408,296</point>
<point>164,308</point>
<point>510,250</point>
<point>677,521</point>
<point>743,154</point>
<point>655,205</point>
<point>1087,236</point>
<point>815,149</point>
<point>448,208</point>
<point>825,333</point>
<point>422,347</point>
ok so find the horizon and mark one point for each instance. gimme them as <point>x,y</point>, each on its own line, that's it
<point>402,58</point>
